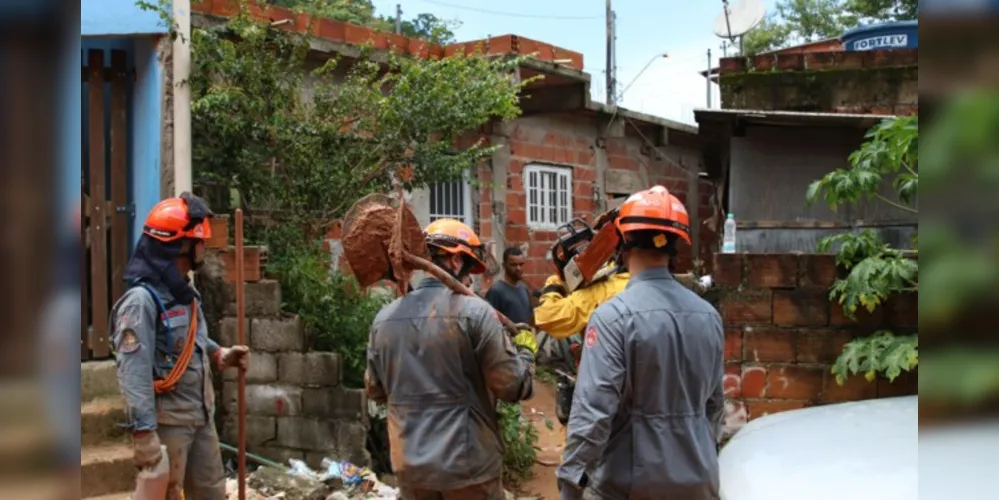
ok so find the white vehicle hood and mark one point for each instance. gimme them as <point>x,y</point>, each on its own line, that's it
<point>858,451</point>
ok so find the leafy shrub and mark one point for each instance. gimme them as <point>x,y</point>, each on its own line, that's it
<point>519,438</point>
<point>875,271</point>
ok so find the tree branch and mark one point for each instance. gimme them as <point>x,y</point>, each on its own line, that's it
<point>896,205</point>
<point>909,169</point>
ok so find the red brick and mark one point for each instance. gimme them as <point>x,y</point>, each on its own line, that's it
<point>515,182</point>
<point>863,317</point>
<point>819,60</point>
<point>584,204</point>
<point>622,162</point>
<point>764,62</point>
<point>906,384</point>
<point>582,189</point>
<point>800,307</point>
<point>902,311</point>
<point>538,251</point>
<point>772,270</point>
<point>732,383</point>
<point>733,344</point>
<point>770,345</point>
<point>251,264</point>
<point>818,270</point>
<point>849,60</point>
<point>585,174</point>
<point>517,233</point>
<point>822,346</point>
<point>754,381</point>
<point>727,269</point>
<point>763,407</point>
<point>905,57</point>
<point>485,228</point>
<point>485,211</point>
<point>517,216</point>
<point>854,388</point>
<point>584,158</point>
<point>545,236</point>
<point>794,382</point>
<point>616,147</point>
<point>732,65</point>
<point>790,62</point>
<point>220,233</point>
<point>747,308</point>
<point>515,167</point>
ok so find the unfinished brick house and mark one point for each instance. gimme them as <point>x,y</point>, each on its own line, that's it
<point>566,157</point>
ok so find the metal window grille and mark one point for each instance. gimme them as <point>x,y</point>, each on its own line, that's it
<point>451,200</point>
<point>549,196</point>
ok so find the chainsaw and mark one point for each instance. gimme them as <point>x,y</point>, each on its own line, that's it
<point>580,255</point>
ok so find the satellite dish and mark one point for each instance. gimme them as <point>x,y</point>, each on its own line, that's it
<point>736,21</point>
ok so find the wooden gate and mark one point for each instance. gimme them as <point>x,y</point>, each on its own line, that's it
<point>105,195</point>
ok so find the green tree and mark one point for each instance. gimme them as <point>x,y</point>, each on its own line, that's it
<point>801,21</point>
<point>874,270</point>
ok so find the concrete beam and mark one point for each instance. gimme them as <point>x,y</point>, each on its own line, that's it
<point>554,99</point>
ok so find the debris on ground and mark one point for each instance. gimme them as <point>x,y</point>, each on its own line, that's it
<point>337,480</point>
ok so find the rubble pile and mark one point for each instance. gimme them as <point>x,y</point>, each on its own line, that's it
<point>339,480</point>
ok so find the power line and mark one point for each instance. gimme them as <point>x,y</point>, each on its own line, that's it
<point>510,14</point>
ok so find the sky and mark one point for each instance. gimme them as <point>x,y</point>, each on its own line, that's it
<point>670,87</point>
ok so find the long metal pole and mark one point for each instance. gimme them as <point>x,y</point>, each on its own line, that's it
<point>611,98</point>
<point>241,340</point>
<point>709,79</point>
<point>398,19</point>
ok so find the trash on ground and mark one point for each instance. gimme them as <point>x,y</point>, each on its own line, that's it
<point>336,480</point>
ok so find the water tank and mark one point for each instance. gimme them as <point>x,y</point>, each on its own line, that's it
<point>896,35</point>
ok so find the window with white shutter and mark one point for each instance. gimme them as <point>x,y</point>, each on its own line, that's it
<point>451,200</point>
<point>549,196</point>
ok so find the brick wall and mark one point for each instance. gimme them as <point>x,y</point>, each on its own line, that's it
<point>572,141</point>
<point>869,82</point>
<point>782,335</point>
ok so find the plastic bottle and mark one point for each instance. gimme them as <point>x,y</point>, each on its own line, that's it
<point>728,242</point>
<point>152,482</point>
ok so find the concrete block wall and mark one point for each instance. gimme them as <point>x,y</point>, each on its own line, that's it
<point>782,335</point>
<point>296,405</point>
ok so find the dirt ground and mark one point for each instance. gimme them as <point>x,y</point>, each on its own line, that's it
<point>539,409</point>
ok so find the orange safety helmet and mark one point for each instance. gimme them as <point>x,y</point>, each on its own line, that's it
<point>453,236</point>
<point>654,209</point>
<point>186,216</point>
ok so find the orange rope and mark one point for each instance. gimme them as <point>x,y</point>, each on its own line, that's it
<point>168,384</point>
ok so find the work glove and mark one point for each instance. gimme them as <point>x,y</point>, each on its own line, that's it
<point>237,355</point>
<point>554,284</point>
<point>146,451</point>
<point>525,338</point>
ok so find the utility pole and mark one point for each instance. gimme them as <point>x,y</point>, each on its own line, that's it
<point>724,46</point>
<point>611,94</point>
<point>398,19</point>
<point>709,79</point>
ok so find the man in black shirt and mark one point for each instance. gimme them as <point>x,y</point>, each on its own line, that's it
<point>510,295</point>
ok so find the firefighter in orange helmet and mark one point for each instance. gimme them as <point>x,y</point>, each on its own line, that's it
<point>438,360</point>
<point>648,404</point>
<point>164,356</point>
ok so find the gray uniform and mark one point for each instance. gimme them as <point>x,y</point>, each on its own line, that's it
<point>184,417</point>
<point>648,407</point>
<point>439,360</point>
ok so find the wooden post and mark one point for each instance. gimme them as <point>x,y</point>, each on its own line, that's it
<point>241,340</point>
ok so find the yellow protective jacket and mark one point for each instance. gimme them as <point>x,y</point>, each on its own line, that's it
<point>562,317</point>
